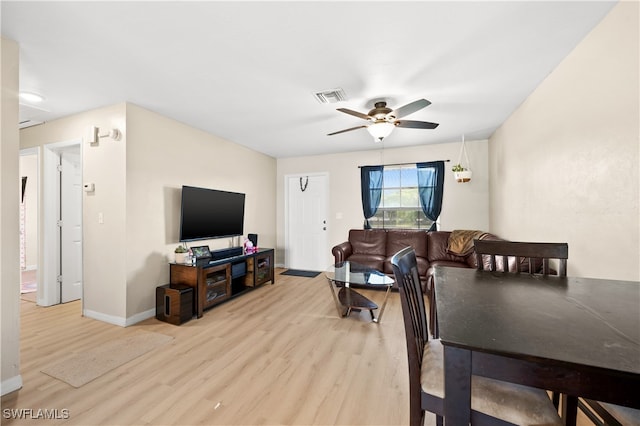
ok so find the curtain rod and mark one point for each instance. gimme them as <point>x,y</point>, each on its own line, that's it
<point>404,164</point>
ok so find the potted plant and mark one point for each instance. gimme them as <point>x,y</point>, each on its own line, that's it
<point>461,174</point>
<point>181,253</point>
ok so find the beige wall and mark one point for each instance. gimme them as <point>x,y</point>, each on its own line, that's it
<point>9,220</point>
<point>465,206</point>
<point>163,155</point>
<point>564,166</point>
<point>104,164</point>
<point>137,193</point>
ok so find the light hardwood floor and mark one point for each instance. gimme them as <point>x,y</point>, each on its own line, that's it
<point>277,355</point>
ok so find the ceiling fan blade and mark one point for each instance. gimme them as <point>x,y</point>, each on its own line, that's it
<point>346,130</point>
<point>409,108</point>
<point>355,113</point>
<point>412,124</point>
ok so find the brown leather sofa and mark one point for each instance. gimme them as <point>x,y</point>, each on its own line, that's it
<point>375,247</point>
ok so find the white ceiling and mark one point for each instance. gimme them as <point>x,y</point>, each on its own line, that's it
<point>247,71</point>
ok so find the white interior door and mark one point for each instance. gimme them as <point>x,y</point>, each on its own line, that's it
<point>306,221</point>
<point>71,225</point>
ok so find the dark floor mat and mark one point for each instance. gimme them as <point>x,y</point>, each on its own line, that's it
<point>300,273</point>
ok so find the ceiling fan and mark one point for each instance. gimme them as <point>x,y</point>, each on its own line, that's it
<point>383,120</point>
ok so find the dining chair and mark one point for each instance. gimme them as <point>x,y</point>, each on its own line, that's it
<point>535,257</point>
<point>516,257</point>
<point>531,257</point>
<point>492,402</point>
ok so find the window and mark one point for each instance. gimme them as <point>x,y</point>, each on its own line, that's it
<point>400,202</point>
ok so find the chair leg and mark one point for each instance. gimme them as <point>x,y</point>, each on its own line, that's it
<point>555,397</point>
<point>569,409</point>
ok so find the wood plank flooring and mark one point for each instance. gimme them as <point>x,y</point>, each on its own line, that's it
<point>276,355</point>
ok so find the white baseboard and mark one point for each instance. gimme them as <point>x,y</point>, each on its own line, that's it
<point>120,321</point>
<point>279,265</point>
<point>111,319</point>
<point>140,317</point>
<point>10,385</point>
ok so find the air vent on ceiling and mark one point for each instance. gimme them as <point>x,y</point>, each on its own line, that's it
<point>28,123</point>
<point>331,96</point>
<point>28,115</point>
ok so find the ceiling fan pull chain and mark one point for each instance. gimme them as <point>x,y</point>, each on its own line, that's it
<point>306,183</point>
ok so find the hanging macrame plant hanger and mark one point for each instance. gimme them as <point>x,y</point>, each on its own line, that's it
<point>461,172</point>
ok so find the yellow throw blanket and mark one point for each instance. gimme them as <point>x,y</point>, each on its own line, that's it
<point>461,241</point>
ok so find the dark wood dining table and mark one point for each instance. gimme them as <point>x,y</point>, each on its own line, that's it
<point>576,336</point>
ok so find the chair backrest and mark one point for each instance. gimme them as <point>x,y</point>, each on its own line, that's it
<point>405,270</point>
<point>522,252</point>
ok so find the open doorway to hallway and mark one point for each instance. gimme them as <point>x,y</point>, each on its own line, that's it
<point>29,207</point>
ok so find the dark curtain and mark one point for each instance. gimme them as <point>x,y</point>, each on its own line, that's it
<point>371,189</point>
<point>430,188</point>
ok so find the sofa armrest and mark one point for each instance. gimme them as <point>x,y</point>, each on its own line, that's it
<point>471,260</point>
<point>342,251</point>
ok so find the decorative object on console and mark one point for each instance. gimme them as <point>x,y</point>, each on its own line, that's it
<point>180,253</point>
<point>249,248</point>
<point>201,252</point>
<point>461,173</point>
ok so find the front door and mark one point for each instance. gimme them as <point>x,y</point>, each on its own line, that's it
<point>307,212</point>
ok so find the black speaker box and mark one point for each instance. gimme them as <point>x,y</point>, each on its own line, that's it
<point>174,303</point>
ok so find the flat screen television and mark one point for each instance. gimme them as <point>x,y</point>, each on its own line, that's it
<point>209,213</point>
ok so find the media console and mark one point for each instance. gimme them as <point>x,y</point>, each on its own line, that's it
<point>228,273</point>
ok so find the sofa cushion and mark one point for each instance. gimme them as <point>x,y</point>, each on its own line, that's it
<point>399,239</point>
<point>423,266</point>
<point>371,260</point>
<point>368,242</point>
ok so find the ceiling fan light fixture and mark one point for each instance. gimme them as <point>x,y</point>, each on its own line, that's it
<point>380,130</point>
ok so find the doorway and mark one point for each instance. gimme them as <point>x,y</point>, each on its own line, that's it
<point>306,213</point>
<point>29,200</point>
<point>62,207</point>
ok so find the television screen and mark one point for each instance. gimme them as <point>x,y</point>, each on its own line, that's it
<point>209,213</point>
